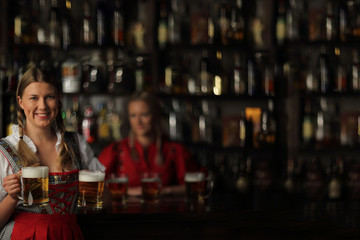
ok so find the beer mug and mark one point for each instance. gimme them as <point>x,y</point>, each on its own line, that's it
<point>91,188</point>
<point>118,187</point>
<point>35,185</point>
<point>198,188</point>
<point>150,186</point>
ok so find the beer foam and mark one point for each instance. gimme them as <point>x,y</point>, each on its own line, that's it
<point>194,177</point>
<point>91,176</point>
<point>150,180</point>
<point>35,172</point>
<point>118,180</point>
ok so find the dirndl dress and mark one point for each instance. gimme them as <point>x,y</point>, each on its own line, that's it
<point>55,219</point>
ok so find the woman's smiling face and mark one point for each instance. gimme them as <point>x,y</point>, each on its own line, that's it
<point>40,102</point>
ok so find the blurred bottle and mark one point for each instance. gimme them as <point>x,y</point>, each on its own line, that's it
<point>269,80</point>
<point>174,21</point>
<point>243,131</point>
<point>101,23</point>
<point>143,78</point>
<point>103,124</point>
<point>162,36</point>
<point>251,77</point>
<point>340,73</point>
<point>118,23</point>
<point>308,124</point>
<point>87,28</point>
<point>205,76</point>
<point>335,187</point>
<point>280,23</point>
<point>120,76</point>
<point>67,28</point>
<point>267,136</point>
<point>22,24</point>
<point>236,31</point>
<point>324,74</point>
<point>292,20</point>
<point>355,71</point>
<point>173,77</point>
<point>54,30</point>
<point>115,122</point>
<point>314,183</point>
<point>94,74</point>
<point>89,126</point>
<point>331,21</point>
<point>220,78</point>
<point>11,119</point>
<point>71,75</point>
<point>238,76</point>
<point>224,22</point>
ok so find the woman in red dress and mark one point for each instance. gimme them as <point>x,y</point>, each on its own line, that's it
<point>40,139</point>
<point>147,150</point>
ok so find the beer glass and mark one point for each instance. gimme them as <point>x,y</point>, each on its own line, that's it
<point>35,185</point>
<point>150,185</point>
<point>118,187</point>
<point>91,188</point>
<point>198,188</point>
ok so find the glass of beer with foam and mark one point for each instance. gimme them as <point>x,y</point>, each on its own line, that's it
<point>150,187</point>
<point>197,187</point>
<point>118,187</point>
<point>35,185</point>
<point>91,188</point>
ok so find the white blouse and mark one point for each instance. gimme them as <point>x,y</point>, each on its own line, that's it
<point>88,159</point>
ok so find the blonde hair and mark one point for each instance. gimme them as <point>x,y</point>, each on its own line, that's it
<point>155,112</point>
<point>26,156</point>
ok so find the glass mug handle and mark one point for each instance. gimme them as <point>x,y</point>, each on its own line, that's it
<point>21,194</point>
<point>209,181</point>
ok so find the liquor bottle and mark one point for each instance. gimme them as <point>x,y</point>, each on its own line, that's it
<point>67,29</point>
<point>120,76</point>
<point>205,77</point>
<point>308,124</point>
<point>236,32</point>
<point>87,28</point>
<point>269,80</point>
<point>344,30</point>
<point>94,74</point>
<point>89,126</point>
<point>355,71</point>
<point>174,22</point>
<point>54,31</point>
<point>115,122</point>
<point>314,184</point>
<point>220,79</point>
<point>101,23</point>
<point>163,25</point>
<point>173,80</point>
<point>324,71</point>
<point>266,137</point>
<point>238,76</point>
<point>251,77</point>
<point>118,23</point>
<point>335,187</point>
<point>341,74</point>
<point>331,24</point>
<point>103,124</point>
<point>143,78</point>
<point>280,23</point>
<point>311,83</point>
<point>22,24</point>
<point>243,130</point>
<point>243,182</point>
<point>224,22</point>
<point>292,21</point>
<point>71,75</point>
<point>11,119</point>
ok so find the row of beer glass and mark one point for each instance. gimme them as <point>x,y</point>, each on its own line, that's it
<point>35,187</point>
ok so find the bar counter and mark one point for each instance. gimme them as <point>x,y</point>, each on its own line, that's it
<point>173,219</point>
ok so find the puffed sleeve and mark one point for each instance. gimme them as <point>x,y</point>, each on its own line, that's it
<point>88,159</point>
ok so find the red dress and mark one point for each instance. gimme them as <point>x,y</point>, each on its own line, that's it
<point>177,160</point>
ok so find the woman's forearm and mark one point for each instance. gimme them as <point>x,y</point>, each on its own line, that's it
<point>7,207</point>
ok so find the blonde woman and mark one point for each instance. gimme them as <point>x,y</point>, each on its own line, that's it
<point>39,139</point>
<point>146,149</point>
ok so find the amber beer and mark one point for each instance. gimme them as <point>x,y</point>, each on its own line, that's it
<point>150,184</point>
<point>118,188</point>
<point>91,187</point>
<point>195,187</point>
<point>35,183</point>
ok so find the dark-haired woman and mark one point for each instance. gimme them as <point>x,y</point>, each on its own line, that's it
<point>39,138</point>
<point>147,150</point>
